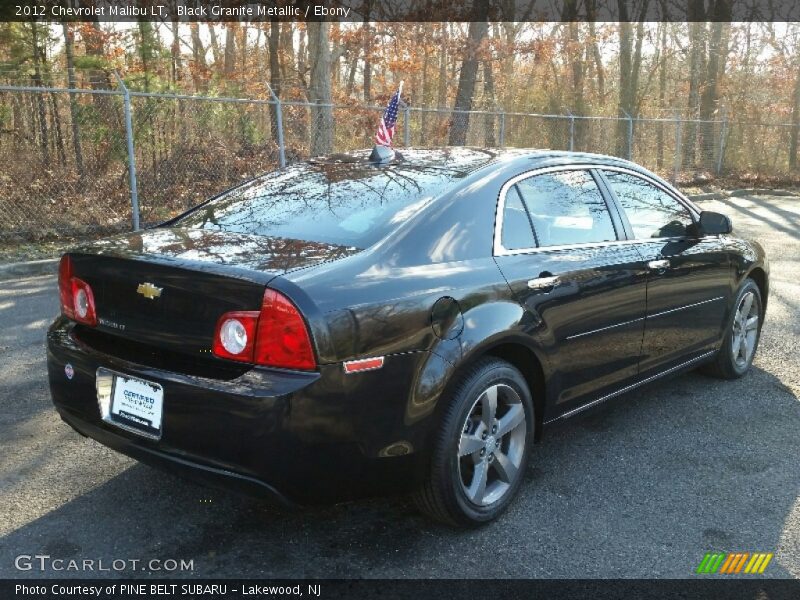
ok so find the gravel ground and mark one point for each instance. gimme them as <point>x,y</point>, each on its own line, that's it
<point>640,487</point>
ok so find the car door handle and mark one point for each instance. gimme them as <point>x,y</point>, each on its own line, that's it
<point>659,265</point>
<point>543,284</point>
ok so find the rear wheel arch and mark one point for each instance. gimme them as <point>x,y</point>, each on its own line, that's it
<point>522,357</point>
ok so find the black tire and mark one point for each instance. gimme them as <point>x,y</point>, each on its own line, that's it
<point>724,366</point>
<point>443,496</point>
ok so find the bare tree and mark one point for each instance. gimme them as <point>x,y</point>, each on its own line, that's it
<point>274,71</point>
<point>697,53</point>
<point>199,58</point>
<point>366,33</point>
<point>478,29</point>
<point>793,137</point>
<point>630,63</point>
<point>230,49</point>
<point>69,53</point>
<point>319,87</point>
<point>37,81</point>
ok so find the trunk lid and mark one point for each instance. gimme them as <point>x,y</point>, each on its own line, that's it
<point>166,288</point>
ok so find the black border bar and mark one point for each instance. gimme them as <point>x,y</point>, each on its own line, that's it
<point>382,589</point>
<point>399,10</point>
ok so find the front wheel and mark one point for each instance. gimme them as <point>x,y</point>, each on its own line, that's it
<point>482,447</point>
<point>741,335</point>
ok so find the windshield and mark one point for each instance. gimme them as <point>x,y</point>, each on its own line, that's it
<point>343,200</point>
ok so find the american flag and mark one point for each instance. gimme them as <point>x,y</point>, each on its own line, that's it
<point>388,123</point>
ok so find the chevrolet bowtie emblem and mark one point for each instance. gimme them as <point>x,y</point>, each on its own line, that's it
<point>149,291</point>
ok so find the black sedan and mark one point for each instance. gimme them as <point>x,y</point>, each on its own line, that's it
<point>347,326</point>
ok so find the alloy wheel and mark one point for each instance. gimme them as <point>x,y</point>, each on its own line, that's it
<point>745,330</point>
<point>492,444</point>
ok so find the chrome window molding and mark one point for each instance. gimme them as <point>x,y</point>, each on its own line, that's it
<point>498,248</point>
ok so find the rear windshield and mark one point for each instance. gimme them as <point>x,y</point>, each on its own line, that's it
<point>345,201</point>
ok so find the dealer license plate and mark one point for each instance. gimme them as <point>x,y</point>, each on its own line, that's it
<point>131,403</point>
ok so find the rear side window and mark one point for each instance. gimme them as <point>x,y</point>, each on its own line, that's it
<point>651,212</point>
<point>566,207</point>
<point>517,233</point>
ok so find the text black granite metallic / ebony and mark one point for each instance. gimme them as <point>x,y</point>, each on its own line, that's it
<point>341,328</point>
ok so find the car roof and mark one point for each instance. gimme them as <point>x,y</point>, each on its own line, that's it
<point>465,159</point>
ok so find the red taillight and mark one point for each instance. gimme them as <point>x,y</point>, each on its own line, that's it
<point>64,286</point>
<point>276,336</point>
<point>77,299</point>
<point>283,339</point>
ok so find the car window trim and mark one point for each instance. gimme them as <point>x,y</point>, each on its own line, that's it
<point>499,250</point>
<point>528,214</point>
<point>609,206</point>
<point>524,206</point>
<point>621,225</point>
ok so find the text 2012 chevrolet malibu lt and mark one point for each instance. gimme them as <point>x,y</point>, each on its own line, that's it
<point>344,327</point>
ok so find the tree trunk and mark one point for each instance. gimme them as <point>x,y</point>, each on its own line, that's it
<point>230,49</point>
<point>302,53</point>
<point>351,76</point>
<point>69,52</point>
<point>478,29</point>
<point>287,48</point>
<point>319,88</point>
<point>62,155</point>
<point>335,59</point>
<point>489,104</point>
<point>427,33</point>
<point>212,35</point>
<point>199,56</point>
<point>574,50</point>
<point>44,139</point>
<point>147,50</point>
<point>366,32</point>
<point>441,99</point>
<point>630,64</point>
<point>697,31</point>
<point>717,49</point>
<point>274,73</point>
<point>598,64</point>
<point>175,52</point>
<point>625,88</point>
<point>662,95</point>
<point>241,34</point>
<point>795,119</point>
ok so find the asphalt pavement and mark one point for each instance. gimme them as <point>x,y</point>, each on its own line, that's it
<point>642,486</point>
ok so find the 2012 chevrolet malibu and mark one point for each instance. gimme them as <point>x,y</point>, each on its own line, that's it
<point>347,327</point>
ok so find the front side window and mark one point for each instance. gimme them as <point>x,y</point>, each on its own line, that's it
<point>651,212</point>
<point>566,207</point>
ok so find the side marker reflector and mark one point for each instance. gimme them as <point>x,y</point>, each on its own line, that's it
<point>366,364</point>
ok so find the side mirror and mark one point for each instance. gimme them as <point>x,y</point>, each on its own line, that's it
<point>714,223</point>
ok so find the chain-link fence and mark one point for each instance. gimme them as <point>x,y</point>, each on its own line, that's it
<point>77,162</point>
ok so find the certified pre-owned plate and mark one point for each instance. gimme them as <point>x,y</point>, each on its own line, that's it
<point>130,403</point>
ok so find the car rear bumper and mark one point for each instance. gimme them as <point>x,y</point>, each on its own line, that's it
<point>214,476</point>
<point>295,437</point>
